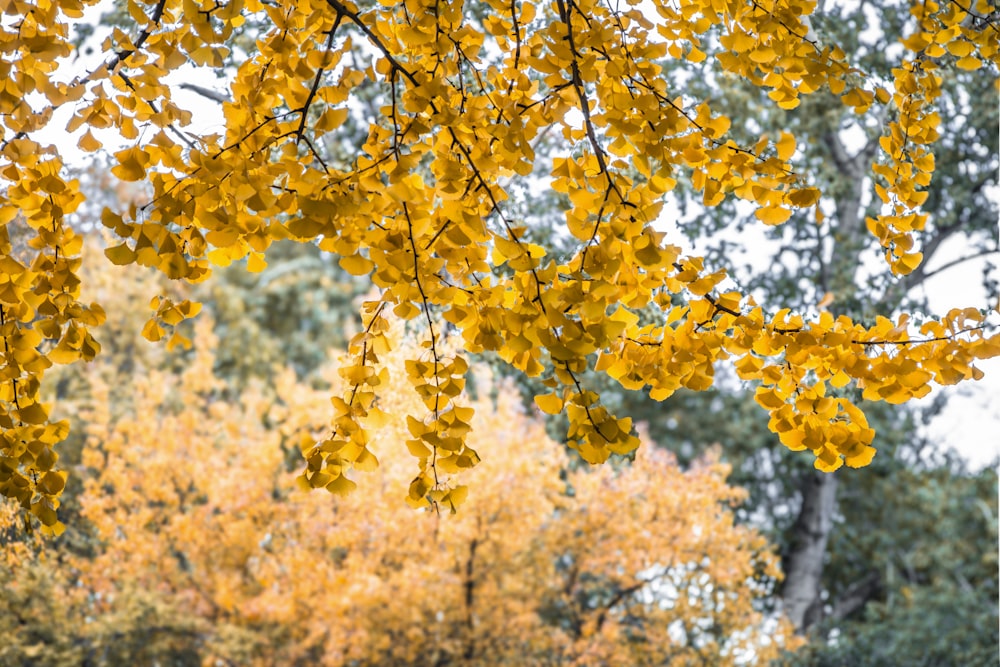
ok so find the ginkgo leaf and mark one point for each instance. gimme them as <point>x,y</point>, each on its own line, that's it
<point>88,143</point>
<point>366,461</point>
<point>356,265</point>
<point>131,164</point>
<point>862,458</point>
<point>152,331</point>
<point>54,529</point>
<point>803,197</point>
<point>178,341</point>
<point>256,262</point>
<point>969,63</point>
<point>120,254</point>
<point>52,482</point>
<point>773,215</point>
<point>785,146</point>
<point>33,414</point>
<point>341,486</point>
<point>549,403</point>
<point>908,262</point>
<point>455,498</point>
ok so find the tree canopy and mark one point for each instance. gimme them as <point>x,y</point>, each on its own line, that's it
<point>393,136</point>
<point>193,544</point>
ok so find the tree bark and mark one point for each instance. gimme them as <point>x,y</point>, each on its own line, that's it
<point>803,563</point>
<point>803,557</point>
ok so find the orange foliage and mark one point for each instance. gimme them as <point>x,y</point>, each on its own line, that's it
<point>208,543</point>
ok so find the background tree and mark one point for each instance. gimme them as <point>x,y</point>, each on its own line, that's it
<point>801,263</point>
<point>835,563</point>
<point>204,547</point>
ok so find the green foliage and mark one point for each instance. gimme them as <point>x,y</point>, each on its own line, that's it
<point>931,547</point>
<point>293,313</point>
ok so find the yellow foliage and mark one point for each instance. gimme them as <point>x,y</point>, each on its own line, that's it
<point>419,203</point>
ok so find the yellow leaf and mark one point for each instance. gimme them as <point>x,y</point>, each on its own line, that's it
<point>768,399</point>
<point>827,460</point>
<point>960,47</point>
<point>861,458</point>
<point>406,310</point>
<point>455,497</point>
<point>785,146</point>
<point>356,265</point>
<point>331,120</point>
<point>419,488</point>
<point>969,63</point>
<point>908,262</point>
<point>695,55</point>
<point>341,486</point>
<point>256,262</point>
<point>54,529</point>
<point>33,414</point>
<point>773,215</point>
<point>418,449</point>
<point>88,143</point>
<point>152,331</point>
<point>803,197</point>
<point>120,254</point>
<point>550,404</point>
<point>52,482</point>
<point>131,164</point>
<point>840,379</point>
<point>366,461</point>
<point>220,256</point>
<point>177,340</point>
<point>377,418</point>
<point>171,316</point>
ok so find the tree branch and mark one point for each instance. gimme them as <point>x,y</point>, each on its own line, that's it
<point>857,595</point>
<point>955,262</point>
<point>213,95</point>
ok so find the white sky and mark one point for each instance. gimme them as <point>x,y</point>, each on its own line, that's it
<point>970,422</point>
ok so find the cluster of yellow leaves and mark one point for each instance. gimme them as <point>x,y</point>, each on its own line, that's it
<point>909,165</point>
<point>944,30</point>
<point>192,501</point>
<point>42,320</point>
<point>463,94</point>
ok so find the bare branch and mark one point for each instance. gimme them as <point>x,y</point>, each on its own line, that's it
<point>213,95</point>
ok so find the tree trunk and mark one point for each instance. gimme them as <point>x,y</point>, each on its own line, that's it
<point>803,562</point>
<point>804,555</point>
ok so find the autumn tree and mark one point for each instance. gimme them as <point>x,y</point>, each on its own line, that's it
<point>835,566</point>
<point>208,550</point>
<point>463,92</point>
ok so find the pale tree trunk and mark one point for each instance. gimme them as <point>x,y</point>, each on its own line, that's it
<point>839,244</point>
<point>804,560</point>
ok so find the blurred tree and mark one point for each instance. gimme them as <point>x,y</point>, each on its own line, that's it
<point>293,313</point>
<point>203,550</point>
<point>830,572</point>
<point>926,563</point>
